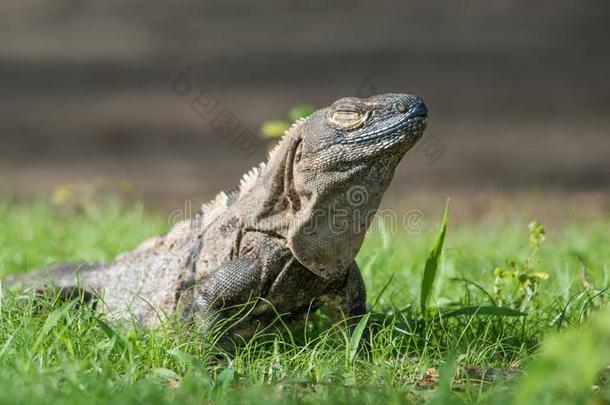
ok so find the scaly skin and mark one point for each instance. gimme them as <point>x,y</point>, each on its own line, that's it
<point>289,235</point>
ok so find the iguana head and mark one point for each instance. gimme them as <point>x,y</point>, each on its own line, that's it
<point>336,166</point>
<point>353,129</point>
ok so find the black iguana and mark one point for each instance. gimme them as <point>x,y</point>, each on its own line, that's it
<point>288,235</point>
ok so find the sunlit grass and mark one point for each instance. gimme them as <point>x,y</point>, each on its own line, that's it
<point>52,352</point>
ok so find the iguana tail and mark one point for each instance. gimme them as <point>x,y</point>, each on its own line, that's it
<point>64,275</point>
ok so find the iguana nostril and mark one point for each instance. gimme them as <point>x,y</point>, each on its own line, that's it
<point>419,110</point>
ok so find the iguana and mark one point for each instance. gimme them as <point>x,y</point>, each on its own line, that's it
<point>287,236</point>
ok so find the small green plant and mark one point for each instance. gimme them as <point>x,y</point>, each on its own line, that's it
<point>516,285</point>
<point>277,128</point>
<point>432,262</point>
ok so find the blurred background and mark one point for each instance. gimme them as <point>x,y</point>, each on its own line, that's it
<point>518,92</point>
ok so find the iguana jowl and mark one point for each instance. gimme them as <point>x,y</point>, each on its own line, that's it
<point>289,234</point>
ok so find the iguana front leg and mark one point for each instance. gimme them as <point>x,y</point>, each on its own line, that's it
<point>227,294</point>
<point>232,283</point>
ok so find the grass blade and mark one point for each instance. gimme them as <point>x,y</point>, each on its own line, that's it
<point>477,286</point>
<point>432,262</point>
<point>48,325</point>
<point>385,287</point>
<point>165,374</point>
<point>186,359</point>
<point>356,338</point>
<point>111,333</point>
<point>490,310</point>
<point>224,379</point>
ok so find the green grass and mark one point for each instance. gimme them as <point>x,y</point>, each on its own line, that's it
<point>490,273</point>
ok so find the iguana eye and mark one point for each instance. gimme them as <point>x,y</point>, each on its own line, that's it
<point>401,107</point>
<point>347,119</point>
